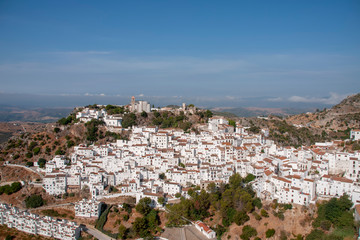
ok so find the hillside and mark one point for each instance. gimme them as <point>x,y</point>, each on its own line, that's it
<point>307,128</point>
<point>340,117</point>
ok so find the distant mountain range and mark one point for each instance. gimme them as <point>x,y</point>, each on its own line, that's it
<point>10,113</point>
<point>257,111</point>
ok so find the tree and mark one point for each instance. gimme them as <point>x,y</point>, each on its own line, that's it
<point>249,178</point>
<point>315,234</point>
<point>208,114</point>
<point>232,123</point>
<point>140,226</point>
<point>156,114</point>
<point>32,145</point>
<point>177,195</point>
<point>29,164</point>
<point>270,232</point>
<point>15,187</point>
<point>161,201</point>
<point>36,150</point>
<point>143,206</point>
<point>264,213</point>
<point>211,187</point>
<point>235,181</point>
<point>248,232</point>
<point>241,217</point>
<point>153,219</point>
<point>34,201</point>
<point>41,162</point>
<point>122,232</point>
<point>144,114</point>
<point>56,130</point>
<point>128,120</point>
<point>127,208</point>
<point>257,203</point>
<point>59,151</point>
<point>70,143</point>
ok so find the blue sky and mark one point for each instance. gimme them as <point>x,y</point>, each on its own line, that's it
<point>217,51</point>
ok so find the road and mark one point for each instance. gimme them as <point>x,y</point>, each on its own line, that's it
<point>96,233</point>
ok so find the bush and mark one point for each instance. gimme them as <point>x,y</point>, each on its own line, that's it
<point>126,217</point>
<point>270,232</point>
<point>10,189</point>
<point>287,206</point>
<point>325,225</point>
<point>143,206</point>
<point>241,217</point>
<point>257,203</point>
<point>59,151</point>
<point>264,213</point>
<point>36,150</point>
<point>249,178</point>
<point>102,219</point>
<point>315,234</point>
<point>127,208</point>
<point>144,114</point>
<point>122,232</point>
<point>29,164</point>
<point>257,216</point>
<point>34,201</point>
<point>41,162</point>
<point>248,232</point>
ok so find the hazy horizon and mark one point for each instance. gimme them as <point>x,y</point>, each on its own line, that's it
<point>31,101</point>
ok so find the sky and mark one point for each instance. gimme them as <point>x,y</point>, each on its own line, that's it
<point>212,52</point>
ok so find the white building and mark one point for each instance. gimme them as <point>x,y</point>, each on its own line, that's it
<point>34,224</point>
<point>355,134</point>
<point>139,106</point>
<point>88,208</point>
<point>204,229</point>
<point>55,184</point>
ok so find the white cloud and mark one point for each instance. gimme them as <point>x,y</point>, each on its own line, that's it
<point>277,99</point>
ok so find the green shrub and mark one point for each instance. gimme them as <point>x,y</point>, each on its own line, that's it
<point>270,232</point>
<point>34,201</point>
<point>248,232</point>
<point>264,213</point>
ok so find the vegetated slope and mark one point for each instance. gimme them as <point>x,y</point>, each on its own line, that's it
<point>306,129</point>
<point>257,111</point>
<point>340,117</point>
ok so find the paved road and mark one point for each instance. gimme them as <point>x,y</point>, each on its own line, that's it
<point>96,233</point>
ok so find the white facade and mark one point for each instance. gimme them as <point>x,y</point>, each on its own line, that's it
<point>355,134</point>
<point>34,224</point>
<point>88,208</point>
<point>204,229</point>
